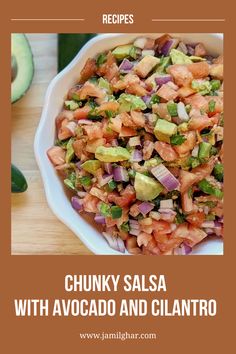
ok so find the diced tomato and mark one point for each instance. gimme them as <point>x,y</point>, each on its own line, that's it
<point>94,131</point>
<point>94,144</point>
<point>90,90</point>
<point>90,203</point>
<point>82,113</point>
<point>186,179</point>
<point>185,91</point>
<point>143,238</point>
<point>170,244</point>
<point>196,219</point>
<point>108,133</point>
<point>195,235</point>
<point>197,101</point>
<point>136,89</point>
<point>148,147</point>
<point>134,209</point>
<point>126,131</point>
<point>126,120</point>
<point>199,70</point>
<point>138,118</point>
<point>111,106</point>
<point>161,227</point>
<point>126,198</point>
<point>109,69</point>
<point>202,122</point>
<point>200,50</point>
<point>182,76</point>
<point>116,124</point>
<point>204,170</point>
<point>152,247</point>
<point>218,60</point>
<point>160,42</point>
<point>217,71</point>
<point>88,70</point>
<point>56,155</point>
<point>110,222</point>
<point>167,93</point>
<point>181,231</point>
<point>131,245</point>
<point>187,202</point>
<point>218,103</point>
<point>79,147</point>
<point>166,151</point>
<point>187,145</point>
<point>161,110</point>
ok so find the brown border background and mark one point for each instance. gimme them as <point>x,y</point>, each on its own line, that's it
<point>187,277</point>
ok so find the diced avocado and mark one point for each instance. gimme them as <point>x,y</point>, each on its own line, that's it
<point>219,172</point>
<point>164,130</point>
<point>178,57</point>
<point>147,188</point>
<point>201,86</point>
<point>112,154</point>
<point>204,150</point>
<point>104,84</point>
<point>69,150</point>
<point>123,51</point>
<point>155,161</point>
<point>194,58</point>
<point>164,63</point>
<point>183,127</point>
<point>22,66</point>
<point>130,102</point>
<point>91,166</point>
<point>71,105</point>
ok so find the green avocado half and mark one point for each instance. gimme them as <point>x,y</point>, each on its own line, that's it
<point>22,66</point>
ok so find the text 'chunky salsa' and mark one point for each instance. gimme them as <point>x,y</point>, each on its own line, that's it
<point>140,145</point>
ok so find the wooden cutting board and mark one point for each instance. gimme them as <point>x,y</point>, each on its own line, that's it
<point>35,229</point>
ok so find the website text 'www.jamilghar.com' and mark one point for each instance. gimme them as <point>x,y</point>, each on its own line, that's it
<point>117,336</point>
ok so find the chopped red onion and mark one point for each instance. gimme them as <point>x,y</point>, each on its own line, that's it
<point>77,203</point>
<point>166,204</point>
<point>120,174</point>
<point>81,194</point>
<point>190,48</point>
<point>146,99</point>
<point>148,52</point>
<point>145,207</point>
<point>140,42</point>
<point>105,179</point>
<point>182,113</point>
<point>182,48</point>
<point>108,167</point>
<point>167,214</point>
<point>134,232</point>
<point>165,177</point>
<point>136,156</point>
<point>71,126</point>
<point>115,242</point>
<point>78,164</point>
<point>100,219</point>
<point>114,142</point>
<point>221,220</point>
<point>85,121</point>
<point>208,224</point>
<point>209,231</point>
<point>126,66</point>
<point>170,44</point>
<point>134,141</point>
<point>195,151</point>
<point>163,79</point>
<point>134,224</point>
<point>182,250</point>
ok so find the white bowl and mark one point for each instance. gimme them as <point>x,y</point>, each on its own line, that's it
<point>45,135</point>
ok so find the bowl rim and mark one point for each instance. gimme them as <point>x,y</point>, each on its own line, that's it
<point>43,117</point>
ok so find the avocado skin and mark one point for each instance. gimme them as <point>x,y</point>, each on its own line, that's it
<point>20,39</point>
<point>18,181</point>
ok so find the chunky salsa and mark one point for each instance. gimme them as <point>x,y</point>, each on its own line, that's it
<point>140,145</point>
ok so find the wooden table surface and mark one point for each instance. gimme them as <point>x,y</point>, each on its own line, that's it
<point>35,229</point>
